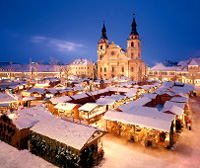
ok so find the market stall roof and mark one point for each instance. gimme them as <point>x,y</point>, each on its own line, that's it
<point>88,107</point>
<point>131,94</point>
<point>26,118</point>
<point>169,104</point>
<point>185,90</point>
<point>4,104</point>
<point>104,101</point>
<point>79,96</point>
<point>7,98</point>
<point>116,97</point>
<point>139,102</point>
<point>115,89</point>
<point>149,95</point>
<point>65,106</point>
<point>179,99</point>
<point>100,91</point>
<point>148,112</point>
<point>144,121</point>
<point>38,90</point>
<point>71,134</point>
<point>173,109</point>
<point>62,99</point>
<point>28,98</point>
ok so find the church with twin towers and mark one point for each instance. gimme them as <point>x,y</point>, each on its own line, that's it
<point>115,61</point>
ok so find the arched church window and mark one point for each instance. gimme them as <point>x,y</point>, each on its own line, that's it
<point>101,47</point>
<point>105,69</point>
<point>132,44</point>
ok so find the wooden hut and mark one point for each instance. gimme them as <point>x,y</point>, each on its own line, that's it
<point>66,144</point>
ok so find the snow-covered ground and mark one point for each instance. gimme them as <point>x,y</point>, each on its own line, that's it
<point>11,157</point>
<point>119,153</point>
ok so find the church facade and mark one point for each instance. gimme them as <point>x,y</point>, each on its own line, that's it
<point>115,61</point>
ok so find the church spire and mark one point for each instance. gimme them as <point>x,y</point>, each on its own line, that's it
<point>134,25</point>
<point>103,36</point>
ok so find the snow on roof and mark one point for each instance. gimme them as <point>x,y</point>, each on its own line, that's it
<point>28,98</point>
<point>179,99</point>
<point>115,89</point>
<point>169,104</point>
<point>88,107</point>
<point>38,90</point>
<point>52,90</point>
<point>79,96</point>
<point>26,118</point>
<point>100,91</point>
<point>71,134</point>
<point>168,84</point>
<point>173,109</point>
<point>131,93</point>
<point>7,98</point>
<point>38,67</point>
<point>184,90</point>
<point>144,121</point>
<point>62,99</point>
<point>139,102</point>
<point>79,87</point>
<point>148,112</point>
<point>116,97</point>
<point>104,101</point>
<point>161,67</point>
<point>149,95</point>
<point>121,78</point>
<point>81,62</point>
<point>193,62</point>
<point>65,106</point>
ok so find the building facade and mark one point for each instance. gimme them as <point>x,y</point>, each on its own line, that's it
<point>81,68</point>
<point>187,71</point>
<point>115,61</point>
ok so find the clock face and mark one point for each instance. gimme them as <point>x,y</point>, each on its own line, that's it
<point>112,53</point>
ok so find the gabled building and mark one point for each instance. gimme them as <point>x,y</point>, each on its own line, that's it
<point>115,61</point>
<point>81,68</point>
<point>187,71</point>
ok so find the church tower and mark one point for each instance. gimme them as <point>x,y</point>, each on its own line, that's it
<point>134,43</point>
<point>103,44</point>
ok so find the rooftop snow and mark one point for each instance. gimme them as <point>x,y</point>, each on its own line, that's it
<point>69,133</point>
<point>149,95</point>
<point>139,102</point>
<point>65,106</point>
<point>179,99</point>
<point>88,107</point>
<point>26,118</point>
<point>144,121</point>
<point>62,99</point>
<point>6,98</point>
<point>104,101</point>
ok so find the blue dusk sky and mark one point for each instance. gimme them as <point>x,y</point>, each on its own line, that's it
<point>67,29</point>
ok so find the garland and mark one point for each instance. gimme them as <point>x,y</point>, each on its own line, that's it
<point>60,155</point>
